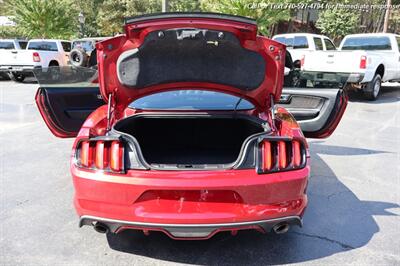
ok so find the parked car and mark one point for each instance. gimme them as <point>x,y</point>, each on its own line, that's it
<point>369,59</point>
<point>300,44</point>
<point>183,136</point>
<point>5,46</point>
<point>12,44</point>
<point>82,49</point>
<point>39,53</point>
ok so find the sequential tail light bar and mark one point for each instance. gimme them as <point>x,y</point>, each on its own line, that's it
<point>97,154</point>
<point>276,154</point>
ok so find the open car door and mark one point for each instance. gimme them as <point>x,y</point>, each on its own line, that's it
<point>65,103</point>
<point>317,110</point>
<point>316,100</point>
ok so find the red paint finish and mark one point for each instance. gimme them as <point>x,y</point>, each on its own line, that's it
<point>182,197</point>
<point>190,197</point>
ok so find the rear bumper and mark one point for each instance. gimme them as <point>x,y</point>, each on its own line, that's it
<point>190,231</point>
<point>17,68</point>
<point>169,201</point>
<point>334,77</point>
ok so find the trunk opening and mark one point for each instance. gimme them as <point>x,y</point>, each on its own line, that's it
<point>190,141</point>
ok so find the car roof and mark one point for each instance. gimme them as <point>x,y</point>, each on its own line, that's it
<point>92,38</point>
<point>300,34</point>
<point>12,40</point>
<point>371,35</point>
<point>48,40</point>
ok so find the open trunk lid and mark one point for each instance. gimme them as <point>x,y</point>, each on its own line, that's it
<point>172,51</point>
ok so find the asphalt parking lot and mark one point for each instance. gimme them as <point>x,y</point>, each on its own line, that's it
<point>352,218</point>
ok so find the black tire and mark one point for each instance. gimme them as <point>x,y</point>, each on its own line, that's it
<point>78,57</point>
<point>4,76</point>
<point>371,91</point>
<point>17,77</point>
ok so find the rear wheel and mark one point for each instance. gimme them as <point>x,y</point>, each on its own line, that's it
<point>18,77</point>
<point>373,88</point>
<point>4,75</point>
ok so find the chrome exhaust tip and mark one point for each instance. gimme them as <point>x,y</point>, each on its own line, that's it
<point>101,228</point>
<point>281,228</point>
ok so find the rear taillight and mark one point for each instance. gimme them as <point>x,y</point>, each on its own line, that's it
<point>363,62</point>
<point>302,60</point>
<point>107,155</point>
<point>281,155</point>
<point>267,155</point>
<point>36,57</point>
<point>86,154</point>
<point>116,154</point>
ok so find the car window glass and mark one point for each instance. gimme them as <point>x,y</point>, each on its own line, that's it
<point>329,45</point>
<point>398,42</point>
<point>286,41</point>
<point>85,45</point>
<point>191,100</point>
<point>7,45</point>
<point>66,46</point>
<point>367,43</point>
<point>300,42</point>
<point>22,44</point>
<point>43,46</point>
<point>318,44</point>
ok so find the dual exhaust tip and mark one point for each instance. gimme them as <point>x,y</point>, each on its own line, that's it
<point>280,228</point>
<point>101,228</point>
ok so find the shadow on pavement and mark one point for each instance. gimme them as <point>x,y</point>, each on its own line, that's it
<point>335,221</point>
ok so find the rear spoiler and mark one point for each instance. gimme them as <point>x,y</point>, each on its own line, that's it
<point>169,15</point>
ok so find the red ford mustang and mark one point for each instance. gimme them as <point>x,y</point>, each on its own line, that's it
<point>183,136</point>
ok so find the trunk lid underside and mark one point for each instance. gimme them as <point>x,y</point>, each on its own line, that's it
<point>190,51</point>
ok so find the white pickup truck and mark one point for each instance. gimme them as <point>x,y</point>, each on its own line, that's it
<point>39,54</point>
<point>363,61</point>
<point>10,44</point>
<point>301,44</point>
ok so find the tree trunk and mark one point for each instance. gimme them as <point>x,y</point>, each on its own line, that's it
<point>387,15</point>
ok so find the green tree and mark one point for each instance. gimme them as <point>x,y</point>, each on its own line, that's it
<point>90,9</point>
<point>184,5</point>
<point>3,9</point>
<point>43,18</point>
<point>266,13</point>
<point>112,13</point>
<point>10,32</point>
<point>338,22</point>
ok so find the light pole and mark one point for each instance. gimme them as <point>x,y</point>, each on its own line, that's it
<point>81,19</point>
<point>164,6</point>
